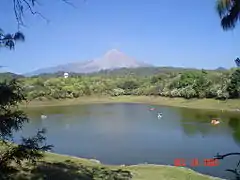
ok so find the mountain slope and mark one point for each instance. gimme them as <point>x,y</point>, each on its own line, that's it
<point>113,59</point>
<point>9,76</point>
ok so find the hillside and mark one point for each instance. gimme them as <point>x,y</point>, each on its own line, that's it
<point>9,76</point>
<point>141,71</point>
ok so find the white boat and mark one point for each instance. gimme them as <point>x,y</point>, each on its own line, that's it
<point>43,116</point>
<point>159,115</point>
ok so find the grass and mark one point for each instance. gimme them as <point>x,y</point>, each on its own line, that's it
<point>210,104</point>
<point>61,167</point>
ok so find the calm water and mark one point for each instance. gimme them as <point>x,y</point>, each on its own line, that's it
<point>132,134</point>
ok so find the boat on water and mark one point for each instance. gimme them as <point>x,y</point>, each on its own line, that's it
<point>43,116</point>
<point>215,121</point>
<point>159,115</point>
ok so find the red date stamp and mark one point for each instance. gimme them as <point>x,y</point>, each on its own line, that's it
<point>195,162</point>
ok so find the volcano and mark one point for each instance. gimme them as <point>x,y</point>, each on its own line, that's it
<point>112,59</point>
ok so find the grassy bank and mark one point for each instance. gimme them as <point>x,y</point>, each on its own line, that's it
<point>62,167</point>
<point>229,105</point>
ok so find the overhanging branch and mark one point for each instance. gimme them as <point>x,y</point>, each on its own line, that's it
<point>218,156</point>
<point>20,6</point>
<point>69,3</point>
<point>34,12</point>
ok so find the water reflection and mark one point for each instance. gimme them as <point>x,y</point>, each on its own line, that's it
<point>193,122</point>
<point>197,122</point>
<point>234,123</point>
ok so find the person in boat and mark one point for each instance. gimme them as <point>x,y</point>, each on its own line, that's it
<point>43,116</point>
<point>215,121</point>
<point>159,115</point>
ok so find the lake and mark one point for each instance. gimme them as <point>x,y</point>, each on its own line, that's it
<point>132,134</point>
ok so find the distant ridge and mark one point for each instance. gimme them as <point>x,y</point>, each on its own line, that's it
<point>113,59</point>
<point>141,71</point>
<point>9,75</point>
<point>221,69</point>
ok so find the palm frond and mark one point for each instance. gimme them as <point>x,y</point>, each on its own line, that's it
<point>7,37</point>
<point>18,36</point>
<point>1,32</point>
<point>223,6</point>
<point>9,40</point>
<point>10,44</point>
<point>229,20</point>
<point>228,11</point>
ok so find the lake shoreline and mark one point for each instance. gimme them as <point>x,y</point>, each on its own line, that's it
<point>204,104</point>
<point>138,169</point>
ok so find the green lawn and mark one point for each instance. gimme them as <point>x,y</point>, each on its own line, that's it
<point>211,104</point>
<point>62,167</point>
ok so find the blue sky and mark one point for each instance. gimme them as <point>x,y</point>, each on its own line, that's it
<point>164,33</point>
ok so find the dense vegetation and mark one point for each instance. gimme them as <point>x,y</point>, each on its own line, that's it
<point>11,120</point>
<point>169,83</point>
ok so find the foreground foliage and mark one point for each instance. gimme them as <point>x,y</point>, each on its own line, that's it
<point>62,167</point>
<point>69,170</point>
<point>12,119</point>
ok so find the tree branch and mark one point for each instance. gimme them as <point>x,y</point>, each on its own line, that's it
<point>20,5</point>
<point>218,156</point>
<point>69,3</point>
<point>34,12</point>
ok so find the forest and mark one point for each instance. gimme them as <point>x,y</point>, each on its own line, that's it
<point>168,82</point>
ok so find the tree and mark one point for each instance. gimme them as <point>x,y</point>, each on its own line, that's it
<point>234,86</point>
<point>187,79</point>
<point>12,119</point>
<point>229,12</point>
<point>128,85</point>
